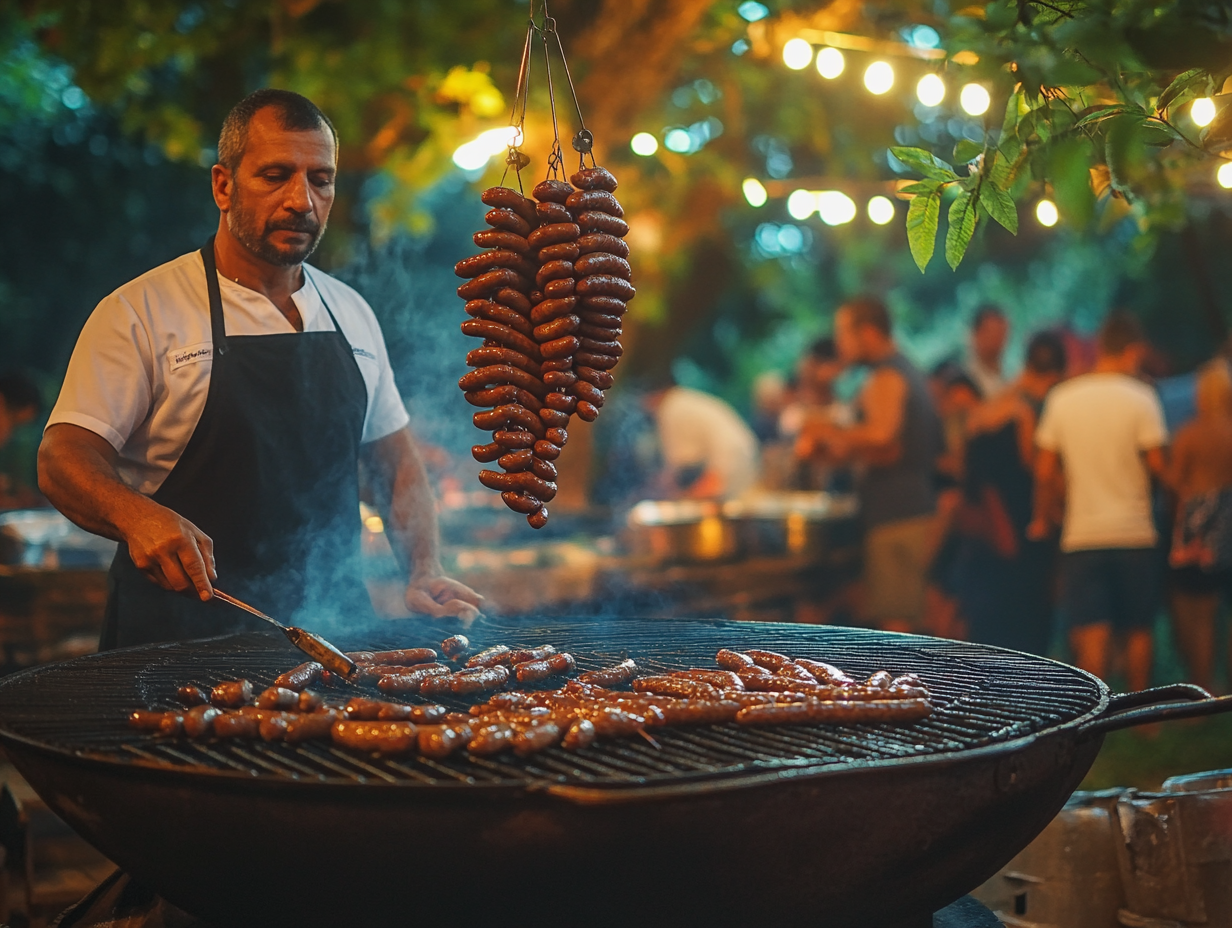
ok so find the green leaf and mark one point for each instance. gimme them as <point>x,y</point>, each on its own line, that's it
<point>925,162</point>
<point>1098,114</point>
<point>923,214</point>
<point>1183,82</point>
<point>1069,170</point>
<point>962,227</point>
<point>922,186</point>
<point>1124,151</point>
<point>1009,125</point>
<point>1000,206</point>
<point>966,151</point>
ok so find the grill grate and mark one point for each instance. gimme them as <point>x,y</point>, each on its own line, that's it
<point>983,695</point>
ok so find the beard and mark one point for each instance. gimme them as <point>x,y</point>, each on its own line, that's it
<point>249,232</point>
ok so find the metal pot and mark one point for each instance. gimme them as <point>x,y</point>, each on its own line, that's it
<point>810,524</point>
<point>681,532</point>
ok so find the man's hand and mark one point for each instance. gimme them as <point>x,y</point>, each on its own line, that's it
<point>172,551</point>
<point>432,593</point>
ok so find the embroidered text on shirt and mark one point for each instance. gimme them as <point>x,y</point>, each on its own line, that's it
<point>191,354</point>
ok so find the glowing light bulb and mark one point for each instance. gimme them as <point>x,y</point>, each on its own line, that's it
<point>1046,213</point>
<point>644,144</point>
<point>879,77</point>
<point>830,63</point>
<point>754,191</point>
<point>1202,111</point>
<point>797,54</point>
<point>975,100</point>
<point>473,155</point>
<point>835,207</point>
<point>1224,175</point>
<point>801,204</point>
<point>881,210</point>
<point>930,90</point>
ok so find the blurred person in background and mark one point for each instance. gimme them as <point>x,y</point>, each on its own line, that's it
<point>20,403</point>
<point>1006,589</point>
<point>895,441</point>
<point>709,452</point>
<point>1200,473</point>
<point>956,397</point>
<point>771,395</point>
<point>989,331</point>
<point>1100,439</point>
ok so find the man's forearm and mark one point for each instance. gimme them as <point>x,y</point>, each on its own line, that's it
<point>412,505</point>
<point>79,480</point>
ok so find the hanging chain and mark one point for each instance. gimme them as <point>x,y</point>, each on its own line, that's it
<point>516,158</point>
<point>583,141</point>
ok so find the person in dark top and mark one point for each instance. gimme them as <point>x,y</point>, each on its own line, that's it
<point>1005,586</point>
<point>896,441</point>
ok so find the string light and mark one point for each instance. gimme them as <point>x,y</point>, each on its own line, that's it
<point>1224,175</point>
<point>975,99</point>
<point>474,155</point>
<point>644,144</point>
<point>835,207</point>
<point>879,77</point>
<point>797,54</point>
<point>830,63</point>
<point>881,210</point>
<point>930,90</point>
<point>1046,213</point>
<point>1202,111</point>
<point>801,204</point>
<point>754,192</point>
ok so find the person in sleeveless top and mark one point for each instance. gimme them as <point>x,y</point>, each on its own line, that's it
<point>895,444</point>
<point>1200,473</point>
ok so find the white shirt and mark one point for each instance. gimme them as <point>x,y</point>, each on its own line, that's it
<point>990,380</point>
<point>140,372</point>
<point>1100,424</point>
<point>697,429</point>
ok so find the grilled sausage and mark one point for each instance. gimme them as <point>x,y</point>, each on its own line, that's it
<point>599,362</point>
<point>586,330</point>
<point>489,657</point>
<point>825,673</point>
<point>379,737</point>
<point>559,288</point>
<point>595,178</point>
<point>558,327</point>
<point>836,712</point>
<point>192,695</point>
<point>546,451</point>
<point>489,238</point>
<point>558,437</point>
<point>408,682</point>
<point>147,720</point>
<point>231,694</point>
<point>314,727</point>
<point>613,306</point>
<point>507,220</point>
<point>603,285</point>
<point>274,726</point>
<point>565,251</point>
<point>580,734</point>
<point>594,242</point>
<point>552,190</point>
<point>514,439</point>
<point>301,677</point>
<point>506,415</point>
<point>199,721</point>
<point>310,701</point>
<point>360,709</point>
<point>438,741</point>
<point>492,356</point>
<point>477,679</point>
<point>587,412</point>
<point>880,680</point>
<point>493,280</point>
<point>674,686</point>
<point>538,519</point>
<point>525,482</point>
<point>520,502</point>
<point>491,739</point>
<point>552,212</point>
<point>554,234</point>
<point>507,296</point>
<point>497,312</point>
<point>599,262</point>
<point>723,679</point>
<point>794,671</point>
<point>552,309</point>
<point>770,660</point>
<point>601,200</point>
<point>505,198</point>
<point>553,270</point>
<point>589,393</point>
<point>502,375</point>
<point>535,737</point>
<point>595,221</point>
<point>486,454</point>
<point>542,668</point>
<point>455,646</point>
<point>610,676</point>
<point>491,260</point>
<point>236,725</point>
<point>600,379</point>
<point>278,697</point>
<point>560,348</point>
<point>484,328</point>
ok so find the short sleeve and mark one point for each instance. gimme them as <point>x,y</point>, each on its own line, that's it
<point>1047,433</point>
<point>109,383</point>
<point>387,413</point>
<point>1151,430</point>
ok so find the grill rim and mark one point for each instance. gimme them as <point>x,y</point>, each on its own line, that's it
<point>682,784</point>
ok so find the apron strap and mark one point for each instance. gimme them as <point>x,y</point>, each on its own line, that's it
<point>321,297</point>
<point>218,328</point>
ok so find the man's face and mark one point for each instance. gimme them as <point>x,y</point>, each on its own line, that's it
<point>846,337</point>
<point>278,199</point>
<point>989,337</point>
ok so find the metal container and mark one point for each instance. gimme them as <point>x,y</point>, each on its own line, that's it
<point>811,524</point>
<point>681,532</point>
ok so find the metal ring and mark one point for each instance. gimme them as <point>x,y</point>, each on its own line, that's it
<point>583,141</point>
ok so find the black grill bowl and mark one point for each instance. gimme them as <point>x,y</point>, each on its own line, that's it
<point>719,825</point>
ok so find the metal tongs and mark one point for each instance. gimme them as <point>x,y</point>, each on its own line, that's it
<point>310,643</point>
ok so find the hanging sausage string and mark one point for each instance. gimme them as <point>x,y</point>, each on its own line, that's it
<point>547,296</point>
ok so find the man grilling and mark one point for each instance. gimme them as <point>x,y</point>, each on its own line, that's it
<point>215,408</point>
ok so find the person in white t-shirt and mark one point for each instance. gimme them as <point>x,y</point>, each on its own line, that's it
<point>709,450</point>
<point>214,410</point>
<point>1101,437</point>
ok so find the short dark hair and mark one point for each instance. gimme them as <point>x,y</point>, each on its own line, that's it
<point>868,310</point>
<point>19,392</point>
<point>1119,331</point>
<point>823,349</point>
<point>1046,353</point>
<point>984,313</point>
<point>296,113</point>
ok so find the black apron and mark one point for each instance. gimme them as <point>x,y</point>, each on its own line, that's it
<point>271,474</point>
